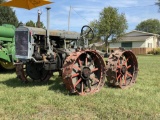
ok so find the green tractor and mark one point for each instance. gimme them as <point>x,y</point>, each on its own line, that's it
<point>7,46</point>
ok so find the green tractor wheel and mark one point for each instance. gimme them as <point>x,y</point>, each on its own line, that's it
<point>7,65</point>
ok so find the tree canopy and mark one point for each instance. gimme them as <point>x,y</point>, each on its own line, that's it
<point>94,24</point>
<point>33,24</point>
<point>150,25</point>
<point>30,23</point>
<point>158,4</point>
<point>7,15</point>
<point>110,24</point>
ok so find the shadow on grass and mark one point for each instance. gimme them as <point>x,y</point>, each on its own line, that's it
<point>5,71</point>
<point>107,85</point>
<point>55,84</point>
<point>58,86</point>
<point>15,82</point>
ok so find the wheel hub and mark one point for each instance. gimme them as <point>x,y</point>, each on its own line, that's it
<point>124,69</point>
<point>85,73</point>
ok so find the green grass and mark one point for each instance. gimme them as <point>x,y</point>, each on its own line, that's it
<point>39,101</point>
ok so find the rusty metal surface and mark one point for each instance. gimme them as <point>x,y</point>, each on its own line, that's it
<point>122,69</point>
<point>23,76</point>
<point>84,72</point>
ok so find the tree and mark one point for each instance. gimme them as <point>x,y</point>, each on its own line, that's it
<point>94,25</point>
<point>7,15</point>
<point>158,3</point>
<point>111,24</point>
<point>150,25</point>
<point>30,23</point>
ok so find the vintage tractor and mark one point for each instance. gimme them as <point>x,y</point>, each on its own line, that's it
<point>82,68</point>
<point>7,46</point>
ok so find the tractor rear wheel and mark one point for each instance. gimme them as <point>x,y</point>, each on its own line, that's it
<point>84,72</point>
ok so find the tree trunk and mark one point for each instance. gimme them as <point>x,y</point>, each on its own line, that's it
<point>107,45</point>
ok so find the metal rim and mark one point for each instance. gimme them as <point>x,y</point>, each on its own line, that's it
<point>84,72</point>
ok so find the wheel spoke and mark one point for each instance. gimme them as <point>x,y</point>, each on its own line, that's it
<point>125,61</point>
<point>119,67</point>
<point>80,62</point>
<point>118,76</point>
<point>95,79</point>
<point>120,81</point>
<point>125,79</point>
<point>89,86</point>
<point>76,67</point>
<point>128,66</point>
<point>93,70</point>
<point>129,74</point>
<point>90,63</point>
<point>86,61</point>
<point>75,75</point>
<point>82,88</point>
<point>77,82</point>
<point>118,62</point>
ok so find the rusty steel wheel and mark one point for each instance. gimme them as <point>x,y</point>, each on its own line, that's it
<point>122,69</point>
<point>32,71</point>
<point>84,72</point>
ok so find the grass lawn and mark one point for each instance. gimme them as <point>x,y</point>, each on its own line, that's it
<point>37,101</point>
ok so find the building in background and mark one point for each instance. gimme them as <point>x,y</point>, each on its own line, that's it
<point>138,41</point>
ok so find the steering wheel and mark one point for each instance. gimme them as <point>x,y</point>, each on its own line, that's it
<point>87,32</point>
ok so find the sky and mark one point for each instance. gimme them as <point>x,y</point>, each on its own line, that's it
<point>82,12</point>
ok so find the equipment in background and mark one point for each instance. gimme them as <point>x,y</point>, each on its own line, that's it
<point>7,46</point>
